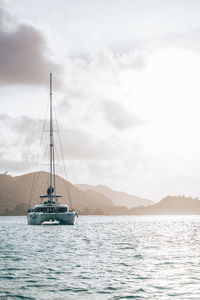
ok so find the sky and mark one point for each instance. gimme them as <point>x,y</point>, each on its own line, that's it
<point>126,90</point>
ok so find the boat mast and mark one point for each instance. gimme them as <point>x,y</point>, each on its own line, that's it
<point>52,165</point>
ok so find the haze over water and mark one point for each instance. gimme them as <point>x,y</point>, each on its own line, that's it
<point>101,257</point>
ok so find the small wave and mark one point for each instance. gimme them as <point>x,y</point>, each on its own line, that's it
<point>142,278</point>
<point>111,288</point>
<point>140,290</point>
<point>74,290</point>
<point>138,256</point>
<point>160,287</point>
<point>7,277</point>
<point>17,296</point>
<point>127,297</point>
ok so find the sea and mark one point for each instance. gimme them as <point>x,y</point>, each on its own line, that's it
<point>101,257</point>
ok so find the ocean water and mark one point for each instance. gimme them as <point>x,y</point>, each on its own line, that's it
<point>101,257</point>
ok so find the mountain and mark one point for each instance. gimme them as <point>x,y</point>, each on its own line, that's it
<point>170,205</point>
<point>118,198</point>
<point>15,195</point>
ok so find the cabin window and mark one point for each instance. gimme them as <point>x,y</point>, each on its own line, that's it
<point>62,209</point>
<point>50,209</point>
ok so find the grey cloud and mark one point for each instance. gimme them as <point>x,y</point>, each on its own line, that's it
<point>80,145</point>
<point>114,60</point>
<point>132,60</point>
<point>188,40</point>
<point>64,106</point>
<point>22,53</point>
<point>22,128</point>
<point>120,118</point>
<point>15,165</point>
<point>139,49</point>
<point>19,141</point>
<point>102,171</point>
<point>103,62</point>
<point>20,137</point>
<point>77,144</point>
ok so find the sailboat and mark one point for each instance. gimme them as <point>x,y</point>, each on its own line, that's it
<point>49,210</point>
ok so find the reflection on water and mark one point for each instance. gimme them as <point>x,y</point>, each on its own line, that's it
<point>101,257</point>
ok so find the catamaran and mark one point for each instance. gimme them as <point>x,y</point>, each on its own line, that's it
<point>49,210</point>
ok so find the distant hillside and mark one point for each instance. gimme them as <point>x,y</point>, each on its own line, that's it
<point>171,205</point>
<point>118,198</point>
<point>15,195</point>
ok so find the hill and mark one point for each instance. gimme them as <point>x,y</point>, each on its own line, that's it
<point>118,198</point>
<point>15,195</point>
<point>171,205</point>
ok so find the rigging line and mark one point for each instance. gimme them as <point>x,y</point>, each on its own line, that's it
<point>37,162</point>
<point>66,183</point>
<point>54,174</point>
<point>38,174</point>
<point>64,167</point>
<point>36,177</point>
<point>55,153</point>
<point>63,180</point>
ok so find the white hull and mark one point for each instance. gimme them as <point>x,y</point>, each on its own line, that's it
<point>38,218</point>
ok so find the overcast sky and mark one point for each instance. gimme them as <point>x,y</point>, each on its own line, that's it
<point>126,90</point>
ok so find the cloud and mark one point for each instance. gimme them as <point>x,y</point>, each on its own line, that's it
<point>79,144</point>
<point>15,166</point>
<point>19,140</point>
<point>99,91</point>
<point>23,53</point>
<point>19,128</point>
<point>120,118</point>
<point>188,40</point>
<point>100,70</point>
